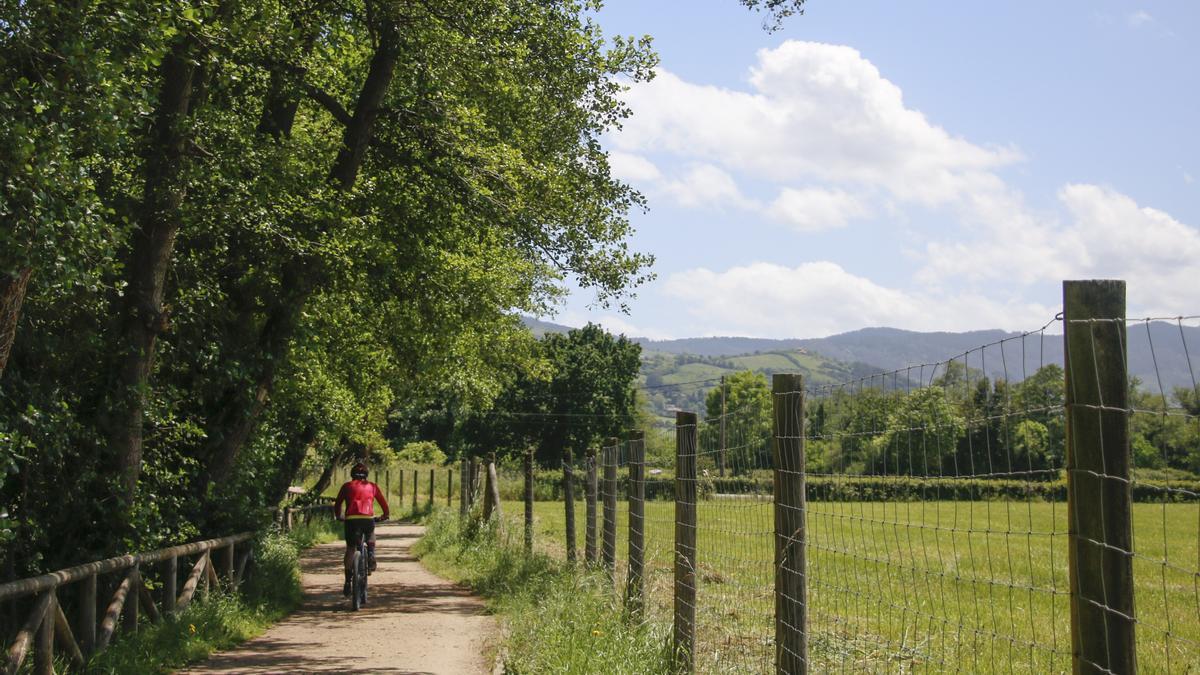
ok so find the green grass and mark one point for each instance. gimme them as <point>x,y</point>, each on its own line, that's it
<point>222,620</point>
<point>899,586</point>
<point>557,618</point>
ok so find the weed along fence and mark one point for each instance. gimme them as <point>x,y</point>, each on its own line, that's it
<point>53,600</point>
<point>985,513</point>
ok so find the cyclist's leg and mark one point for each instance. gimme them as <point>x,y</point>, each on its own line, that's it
<point>370,532</point>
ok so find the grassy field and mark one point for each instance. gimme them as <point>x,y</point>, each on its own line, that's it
<point>913,586</point>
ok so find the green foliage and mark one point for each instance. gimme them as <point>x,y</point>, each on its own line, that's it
<point>421,452</point>
<point>222,620</point>
<point>578,395</point>
<point>558,618</point>
<point>309,291</point>
<point>749,412</point>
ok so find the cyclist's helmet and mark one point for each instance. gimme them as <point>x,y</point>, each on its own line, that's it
<point>359,472</point>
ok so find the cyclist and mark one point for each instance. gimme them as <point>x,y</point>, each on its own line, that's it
<point>359,495</point>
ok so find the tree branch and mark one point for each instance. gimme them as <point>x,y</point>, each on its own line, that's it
<point>329,103</point>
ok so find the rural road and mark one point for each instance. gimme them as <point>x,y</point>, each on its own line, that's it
<point>414,622</point>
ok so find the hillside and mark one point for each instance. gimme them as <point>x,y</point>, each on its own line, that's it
<point>681,381</point>
<point>886,349</point>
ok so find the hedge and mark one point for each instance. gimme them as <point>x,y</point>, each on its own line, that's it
<point>548,487</point>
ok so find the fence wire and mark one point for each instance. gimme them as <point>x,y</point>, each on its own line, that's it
<point>1162,549</point>
<point>931,542</point>
<point>935,533</point>
<point>735,577</point>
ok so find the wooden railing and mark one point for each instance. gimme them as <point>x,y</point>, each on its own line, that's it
<point>47,626</point>
<point>290,515</point>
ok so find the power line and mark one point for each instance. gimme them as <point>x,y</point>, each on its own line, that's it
<point>680,384</point>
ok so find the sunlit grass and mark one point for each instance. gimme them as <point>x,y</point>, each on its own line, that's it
<point>898,586</point>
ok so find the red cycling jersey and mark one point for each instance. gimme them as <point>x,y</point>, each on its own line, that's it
<point>359,497</point>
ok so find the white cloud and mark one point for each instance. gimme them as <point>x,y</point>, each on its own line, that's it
<point>1103,234</point>
<point>707,185</point>
<point>633,168</point>
<point>813,209</point>
<point>1139,18</point>
<point>1187,178</point>
<point>820,298</point>
<point>817,113</point>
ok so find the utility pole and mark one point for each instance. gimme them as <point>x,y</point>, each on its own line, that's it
<point>721,468</point>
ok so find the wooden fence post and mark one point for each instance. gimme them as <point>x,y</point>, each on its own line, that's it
<point>609,547</point>
<point>529,500</point>
<point>464,475</point>
<point>1099,527</point>
<point>590,554</point>
<point>474,482</point>
<point>43,648</point>
<point>132,599</point>
<point>684,633</point>
<point>400,488</point>
<point>449,487</point>
<point>227,563</point>
<point>387,484</point>
<point>431,488</point>
<point>416,477</point>
<point>491,491</point>
<point>569,502</point>
<point>170,579</point>
<point>87,615</point>
<point>791,634</point>
<point>634,582</point>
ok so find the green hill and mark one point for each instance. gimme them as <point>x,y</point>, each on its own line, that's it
<point>681,381</point>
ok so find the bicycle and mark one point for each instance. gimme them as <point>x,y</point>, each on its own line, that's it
<point>360,570</point>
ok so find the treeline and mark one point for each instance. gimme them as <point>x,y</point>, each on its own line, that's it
<point>961,424</point>
<point>242,234</point>
<point>577,392</point>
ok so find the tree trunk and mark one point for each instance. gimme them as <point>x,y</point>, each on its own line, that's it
<point>324,479</point>
<point>236,421</point>
<point>12,295</point>
<point>289,465</point>
<point>142,316</point>
<point>358,133</point>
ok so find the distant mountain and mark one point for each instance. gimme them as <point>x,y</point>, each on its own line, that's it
<point>540,327</point>
<point>998,353</point>
<point>1155,349</point>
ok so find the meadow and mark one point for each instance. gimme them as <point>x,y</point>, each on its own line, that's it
<point>910,586</point>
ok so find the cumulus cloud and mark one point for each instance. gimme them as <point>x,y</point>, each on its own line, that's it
<point>1102,234</point>
<point>821,298</point>
<point>707,185</point>
<point>817,113</point>
<point>632,168</point>
<point>812,209</point>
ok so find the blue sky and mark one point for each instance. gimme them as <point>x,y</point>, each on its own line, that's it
<point>921,165</point>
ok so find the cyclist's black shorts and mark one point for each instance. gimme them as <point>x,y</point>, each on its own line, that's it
<point>355,526</point>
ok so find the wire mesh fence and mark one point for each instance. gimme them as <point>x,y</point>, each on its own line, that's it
<point>1023,506</point>
<point>734,580</point>
<point>930,542</point>
<point>1160,549</point>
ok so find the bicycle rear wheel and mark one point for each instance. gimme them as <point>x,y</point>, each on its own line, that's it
<point>363,573</point>
<point>356,581</point>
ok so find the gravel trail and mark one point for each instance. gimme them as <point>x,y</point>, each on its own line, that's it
<point>414,622</point>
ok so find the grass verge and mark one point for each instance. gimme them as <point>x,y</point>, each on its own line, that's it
<point>271,591</point>
<point>557,618</point>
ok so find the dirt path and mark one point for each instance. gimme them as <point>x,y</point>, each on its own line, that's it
<point>414,622</point>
